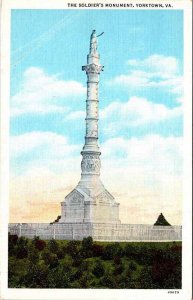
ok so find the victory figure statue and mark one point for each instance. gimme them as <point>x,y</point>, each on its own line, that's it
<point>93,42</point>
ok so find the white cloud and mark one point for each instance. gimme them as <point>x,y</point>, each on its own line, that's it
<point>151,152</point>
<point>75,115</point>
<point>136,111</point>
<point>165,66</point>
<point>27,142</point>
<point>156,71</point>
<point>42,149</point>
<point>42,93</point>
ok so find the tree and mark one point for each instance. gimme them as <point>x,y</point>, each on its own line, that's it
<point>33,254</point>
<point>86,249</point>
<point>145,278</point>
<point>161,221</point>
<point>72,248</point>
<point>39,244</point>
<point>97,250</point>
<point>108,281</point>
<point>132,266</point>
<point>36,276</point>
<point>53,261</point>
<point>22,248</point>
<point>53,246</point>
<point>50,259</point>
<point>86,280</point>
<point>12,242</point>
<point>98,270</point>
<point>112,250</point>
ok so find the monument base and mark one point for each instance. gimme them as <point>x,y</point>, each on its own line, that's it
<point>90,202</point>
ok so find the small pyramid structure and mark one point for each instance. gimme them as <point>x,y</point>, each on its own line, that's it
<point>161,221</point>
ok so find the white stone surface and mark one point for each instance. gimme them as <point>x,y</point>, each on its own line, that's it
<point>90,201</point>
<point>98,231</point>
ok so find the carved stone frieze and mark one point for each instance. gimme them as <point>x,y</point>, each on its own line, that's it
<point>105,197</point>
<point>74,198</point>
<point>90,164</point>
<point>92,68</point>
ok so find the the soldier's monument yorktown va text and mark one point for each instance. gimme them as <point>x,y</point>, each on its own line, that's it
<point>89,209</point>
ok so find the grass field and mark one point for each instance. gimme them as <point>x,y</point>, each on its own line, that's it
<point>74,264</point>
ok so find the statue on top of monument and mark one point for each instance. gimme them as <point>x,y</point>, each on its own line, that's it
<point>93,42</point>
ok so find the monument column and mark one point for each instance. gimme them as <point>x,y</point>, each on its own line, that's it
<point>90,154</point>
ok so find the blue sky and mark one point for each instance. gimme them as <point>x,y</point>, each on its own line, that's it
<point>141,92</point>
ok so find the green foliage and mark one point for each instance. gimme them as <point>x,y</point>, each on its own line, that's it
<point>33,254</point>
<point>21,249</point>
<point>39,244</point>
<point>87,243</point>
<point>97,250</point>
<point>36,276</point>
<point>86,280</point>
<point>53,246</point>
<point>75,264</point>
<point>12,241</point>
<point>73,248</point>
<point>108,281</point>
<point>50,259</point>
<point>112,250</point>
<point>99,269</point>
<point>161,221</point>
<point>87,247</point>
<point>132,266</point>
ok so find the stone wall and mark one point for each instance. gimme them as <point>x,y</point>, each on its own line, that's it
<point>99,232</point>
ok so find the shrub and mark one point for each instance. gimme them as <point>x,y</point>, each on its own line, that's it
<point>163,271</point>
<point>98,270</point>
<point>72,248</point>
<point>77,260</point>
<point>118,269</point>
<point>40,245</point>
<point>53,261</point>
<point>36,276</point>
<point>125,280</point>
<point>97,250</point>
<point>12,241</point>
<point>112,250</point>
<point>130,250</point>
<point>84,266</point>
<point>61,252</point>
<point>53,246</point>
<point>22,248</point>
<point>33,254</point>
<point>50,259</point>
<point>12,238</point>
<point>87,243</point>
<point>145,278</point>
<point>117,260</point>
<point>86,248</point>
<point>132,266</point>
<point>108,281</point>
<point>86,280</point>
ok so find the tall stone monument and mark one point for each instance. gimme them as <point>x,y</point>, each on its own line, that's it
<point>90,210</point>
<point>90,201</point>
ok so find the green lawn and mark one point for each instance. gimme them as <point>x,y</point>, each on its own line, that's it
<point>87,264</point>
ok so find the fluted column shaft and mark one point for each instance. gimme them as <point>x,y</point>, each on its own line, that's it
<point>91,162</point>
